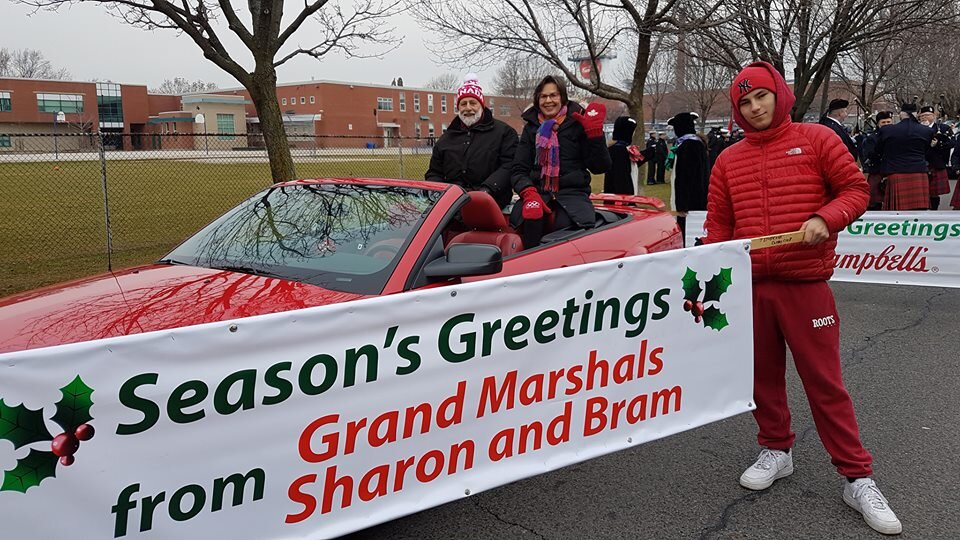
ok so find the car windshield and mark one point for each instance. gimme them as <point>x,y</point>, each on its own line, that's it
<point>344,237</point>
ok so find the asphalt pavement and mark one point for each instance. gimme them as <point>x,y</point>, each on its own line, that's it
<point>900,350</point>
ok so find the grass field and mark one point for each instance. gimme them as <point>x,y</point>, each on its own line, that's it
<point>52,217</point>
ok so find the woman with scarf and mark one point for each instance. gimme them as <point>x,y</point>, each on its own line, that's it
<point>561,144</point>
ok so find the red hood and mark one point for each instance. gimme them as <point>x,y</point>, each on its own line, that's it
<point>144,299</point>
<point>785,101</point>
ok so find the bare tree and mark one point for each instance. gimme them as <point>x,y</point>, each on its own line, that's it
<point>517,78</point>
<point>706,85</point>
<point>810,36</point>
<point>266,42</point>
<point>445,81</point>
<point>179,86</point>
<point>29,64</point>
<point>555,32</point>
<point>661,80</point>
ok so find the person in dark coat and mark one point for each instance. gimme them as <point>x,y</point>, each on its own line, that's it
<point>620,179</point>
<point>721,141</point>
<point>560,145</point>
<point>871,161</point>
<point>691,169</point>
<point>938,155</point>
<point>663,151</point>
<point>477,150</point>
<point>651,150</point>
<point>902,148</point>
<point>833,119</point>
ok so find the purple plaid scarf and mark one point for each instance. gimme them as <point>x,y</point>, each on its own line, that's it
<point>548,151</point>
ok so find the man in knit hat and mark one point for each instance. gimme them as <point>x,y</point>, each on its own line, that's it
<point>476,152</point>
<point>784,177</point>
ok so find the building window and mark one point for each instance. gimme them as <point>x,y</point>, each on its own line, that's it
<point>313,99</point>
<point>284,101</point>
<point>403,102</point>
<point>443,128</point>
<point>419,130</point>
<point>443,104</point>
<point>226,129</point>
<point>54,103</point>
<point>504,110</point>
<point>5,141</point>
<point>5,103</point>
<point>429,103</point>
<point>109,105</point>
<point>431,132</point>
<point>416,103</point>
<point>303,100</point>
<point>384,104</point>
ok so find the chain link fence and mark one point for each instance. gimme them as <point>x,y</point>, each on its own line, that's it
<point>76,205</point>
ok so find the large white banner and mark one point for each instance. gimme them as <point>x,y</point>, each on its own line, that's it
<point>904,248</point>
<point>319,422</point>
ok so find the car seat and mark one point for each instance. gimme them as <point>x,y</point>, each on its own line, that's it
<point>486,224</point>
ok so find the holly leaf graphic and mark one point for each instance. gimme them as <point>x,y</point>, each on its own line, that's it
<point>73,408</point>
<point>714,318</point>
<point>21,425</point>
<point>718,285</point>
<point>691,286</point>
<point>30,471</point>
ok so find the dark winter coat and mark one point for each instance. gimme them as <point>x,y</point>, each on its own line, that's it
<point>619,179</point>
<point>663,150</point>
<point>902,147</point>
<point>955,157</point>
<point>868,153</point>
<point>579,156</point>
<point>691,176</point>
<point>841,132</point>
<point>481,155</point>
<point>938,156</point>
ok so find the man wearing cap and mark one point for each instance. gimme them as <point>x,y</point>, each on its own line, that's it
<point>785,177</point>
<point>902,148</point>
<point>938,155</point>
<point>871,161</point>
<point>836,114</point>
<point>477,150</point>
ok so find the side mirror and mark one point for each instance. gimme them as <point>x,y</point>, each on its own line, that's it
<point>466,260</point>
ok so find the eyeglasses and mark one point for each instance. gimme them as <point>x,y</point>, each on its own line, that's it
<point>549,96</point>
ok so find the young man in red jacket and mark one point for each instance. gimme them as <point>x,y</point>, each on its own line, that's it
<point>783,177</point>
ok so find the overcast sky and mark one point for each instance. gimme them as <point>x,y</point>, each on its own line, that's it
<point>93,45</point>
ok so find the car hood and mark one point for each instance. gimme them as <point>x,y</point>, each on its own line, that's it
<point>144,299</point>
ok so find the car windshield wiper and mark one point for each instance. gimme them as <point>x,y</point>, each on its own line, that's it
<point>172,261</point>
<point>245,270</point>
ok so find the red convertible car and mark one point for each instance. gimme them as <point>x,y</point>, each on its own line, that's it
<point>315,242</point>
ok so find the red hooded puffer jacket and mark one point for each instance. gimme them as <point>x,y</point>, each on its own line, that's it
<point>776,179</point>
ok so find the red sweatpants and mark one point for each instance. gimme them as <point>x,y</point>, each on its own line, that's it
<point>804,315</point>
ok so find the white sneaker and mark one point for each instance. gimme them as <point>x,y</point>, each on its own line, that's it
<point>770,466</point>
<point>864,496</point>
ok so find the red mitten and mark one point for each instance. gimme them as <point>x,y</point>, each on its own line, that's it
<point>533,205</point>
<point>636,155</point>
<point>592,119</point>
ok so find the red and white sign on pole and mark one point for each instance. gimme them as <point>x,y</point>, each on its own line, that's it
<point>586,68</point>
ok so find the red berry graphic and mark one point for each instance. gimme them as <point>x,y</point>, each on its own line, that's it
<point>687,305</point>
<point>67,461</point>
<point>698,309</point>
<point>64,444</point>
<point>698,318</point>
<point>84,432</point>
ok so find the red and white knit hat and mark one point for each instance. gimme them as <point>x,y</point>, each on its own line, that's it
<point>470,88</point>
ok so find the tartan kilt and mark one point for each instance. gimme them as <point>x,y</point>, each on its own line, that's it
<point>955,200</point>
<point>875,180</point>
<point>939,182</point>
<point>907,191</point>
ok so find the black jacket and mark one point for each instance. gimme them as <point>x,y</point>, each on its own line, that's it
<point>902,147</point>
<point>938,156</point>
<point>479,155</point>
<point>619,178</point>
<point>842,133</point>
<point>868,153</point>
<point>691,176</point>
<point>579,156</point>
